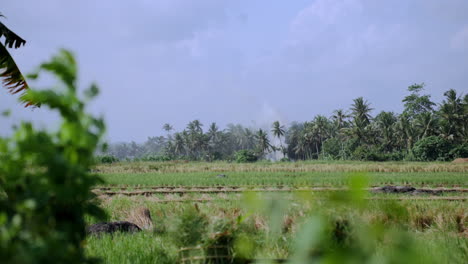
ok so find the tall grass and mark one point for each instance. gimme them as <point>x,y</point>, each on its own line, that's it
<point>439,227</point>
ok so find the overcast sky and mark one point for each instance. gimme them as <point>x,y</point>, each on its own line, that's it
<point>240,61</point>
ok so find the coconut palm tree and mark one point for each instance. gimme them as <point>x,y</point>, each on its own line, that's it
<point>263,143</point>
<point>452,112</point>
<point>10,74</point>
<point>179,144</point>
<point>168,127</point>
<point>278,131</point>
<point>339,118</point>
<point>361,111</point>
<point>213,131</point>
<point>425,123</point>
<point>385,122</point>
<point>406,131</point>
<point>361,117</point>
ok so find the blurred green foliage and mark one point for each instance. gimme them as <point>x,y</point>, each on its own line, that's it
<point>44,176</point>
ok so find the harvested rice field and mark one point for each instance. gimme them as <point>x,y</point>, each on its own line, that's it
<point>258,213</point>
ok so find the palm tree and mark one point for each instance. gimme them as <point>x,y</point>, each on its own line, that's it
<point>339,117</point>
<point>341,124</point>
<point>361,114</point>
<point>406,131</point>
<point>425,123</point>
<point>195,126</point>
<point>452,112</point>
<point>196,140</point>
<point>361,111</point>
<point>179,144</point>
<point>168,127</point>
<point>385,122</point>
<point>213,131</point>
<point>278,131</point>
<point>263,143</point>
<point>321,128</point>
<point>10,74</point>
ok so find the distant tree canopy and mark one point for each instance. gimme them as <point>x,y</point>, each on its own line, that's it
<point>11,76</point>
<point>415,134</point>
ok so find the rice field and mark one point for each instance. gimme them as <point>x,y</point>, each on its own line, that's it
<point>268,206</point>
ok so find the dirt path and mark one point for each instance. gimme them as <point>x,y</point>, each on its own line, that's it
<point>148,191</point>
<point>200,200</point>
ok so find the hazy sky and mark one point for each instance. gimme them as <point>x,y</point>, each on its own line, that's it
<point>240,61</point>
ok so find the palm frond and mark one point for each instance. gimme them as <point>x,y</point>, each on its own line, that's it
<point>11,77</point>
<point>11,39</point>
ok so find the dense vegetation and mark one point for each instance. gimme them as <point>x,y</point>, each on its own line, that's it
<point>424,131</point>
<point>45,184</point>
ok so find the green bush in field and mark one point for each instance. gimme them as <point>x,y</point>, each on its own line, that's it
<point>157,158</point>
<point>245,155</point>
<point>459,151</point>
<point>332,147</point>
<point>432,148</point>
<point>107,159</point>
<point>370,153</point>
<point>44,180</point>
<point>189,229</point>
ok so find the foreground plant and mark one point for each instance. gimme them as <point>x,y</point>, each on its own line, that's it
<point>45,184</point>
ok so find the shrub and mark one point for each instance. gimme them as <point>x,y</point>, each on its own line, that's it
<point>107,159</point>
<point>190,228</point>
<point>395,156</point>
<point>370,153</point>
<point>332,147</point>
<point>157,158</point>
<point>245,155</point>
<point>460,151</point>
<point>44,179</point>
<point>431,148</point>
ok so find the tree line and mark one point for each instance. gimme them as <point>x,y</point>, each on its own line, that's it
<point>425,130</point>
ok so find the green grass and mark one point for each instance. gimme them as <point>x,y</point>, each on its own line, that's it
<point>330,179</point>
<point>143,247</point>
<point>434,224</point>
<point>439,227</point>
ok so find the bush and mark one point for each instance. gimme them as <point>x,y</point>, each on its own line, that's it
<point>431,148</point>
<point>157,158</point>
<point>332,147</point>
<point>107,159</point>
<point>190,228</point>
<point>394,156</point>
<point>245,155</point>
<point>369,153</point>
<point>45,187</point>
<point>460,151</point>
